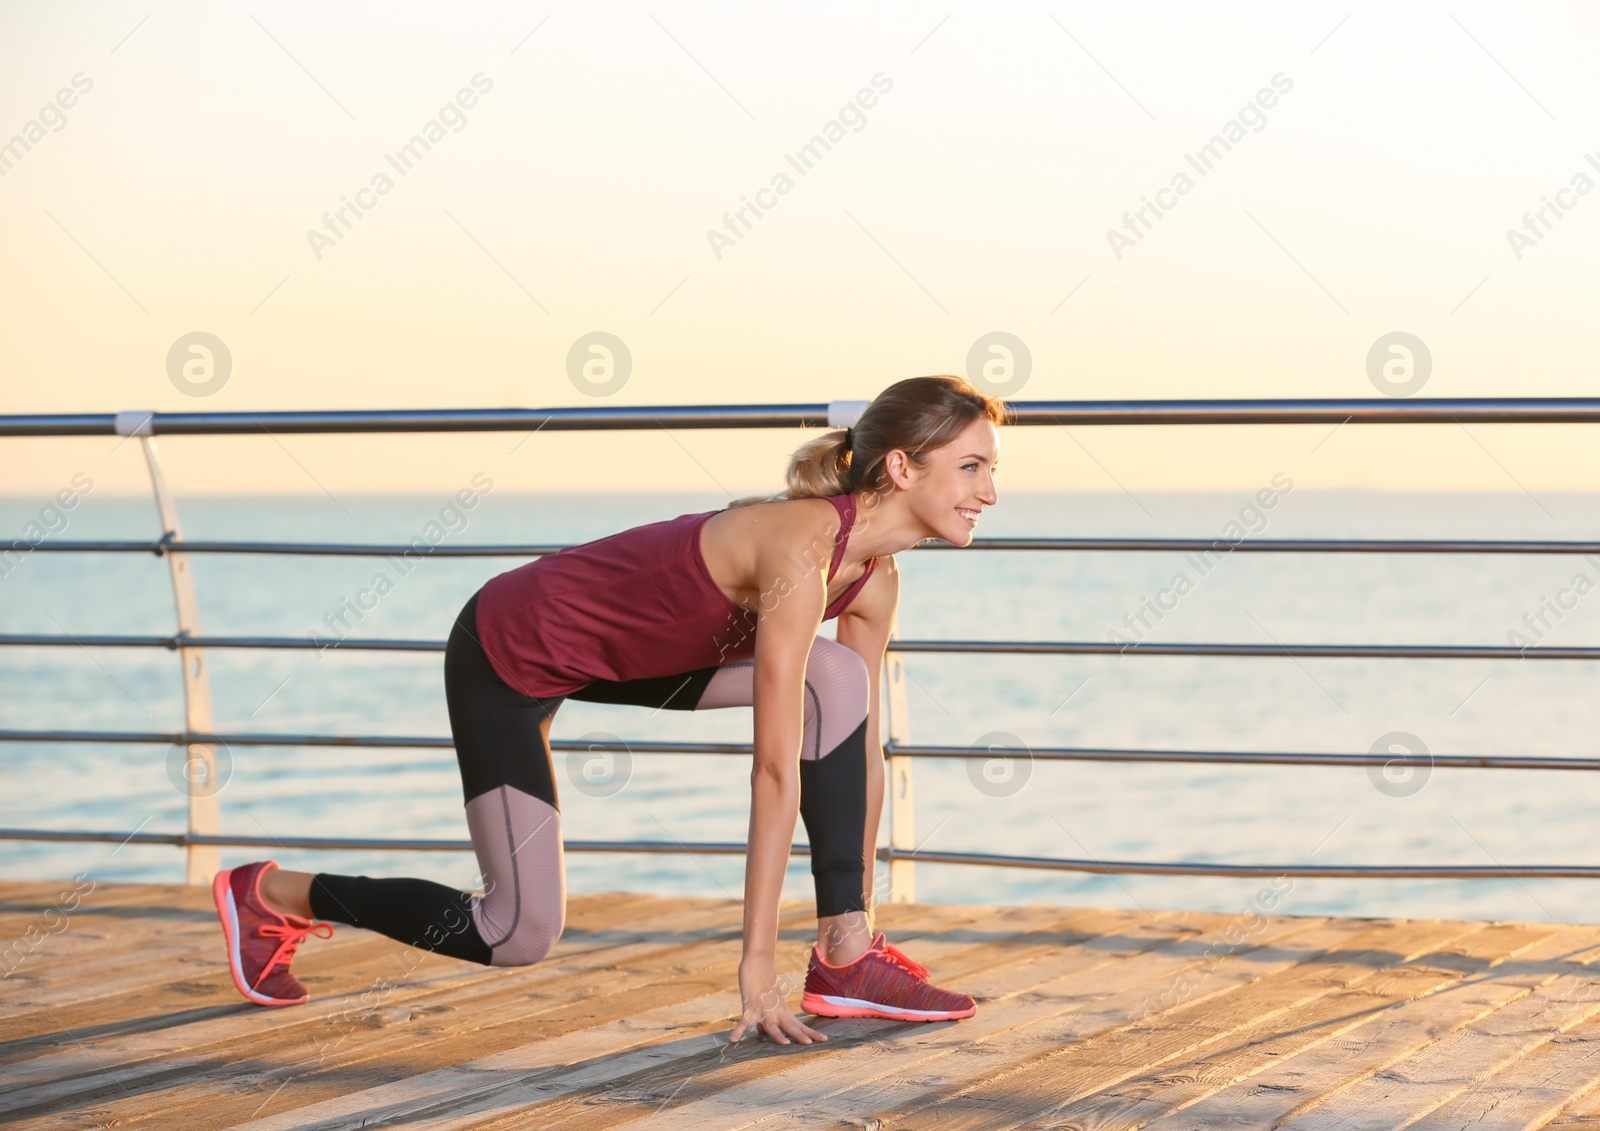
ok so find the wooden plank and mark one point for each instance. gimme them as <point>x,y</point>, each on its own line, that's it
<point>591,1071</point>
<point>648,1090</point>
<point>1530,1092</point>
<point>515,1077</point>
<point>379,960</point>
<point>1051,1069</point>
<point>361,960</point>
<point>708,969</point>
<point>192,980</point>
<point>627,911</point>
<point>901,1089</point>
<point>124,927</point>
<point>1564,1076</point>
<point>351,961</point>
<point>1351,1047</point>
<point>61,978</point>
<point>124,1028</point>
<point>133,966</point>
<point>1085,1022</point>
<point>35,935</point>
<point>32,895</point>
<point>1269,1020</point>
<point>1152,1099</point>
<point>1406,1090</point>
<point>514,1005</point>
<point>1293,1010</point>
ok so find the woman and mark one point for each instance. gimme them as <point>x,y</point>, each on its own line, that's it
<point>665,616</point>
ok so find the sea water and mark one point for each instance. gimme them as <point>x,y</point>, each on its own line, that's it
<point>1010,703</point>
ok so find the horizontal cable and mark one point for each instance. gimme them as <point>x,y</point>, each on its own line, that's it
<point>1106,867</point>
<point>334,843</point>
<point>583,419</point>
<point>987,647</point>
<point>1306,871</point>
<point>1248,545</point>
<point>1307,651</point>
<point>1245,757</point>
<point>376,741</point>
<point>183,640</point>
<point>1368,410</point>
<point>890,750</point>
<point>162,546</point>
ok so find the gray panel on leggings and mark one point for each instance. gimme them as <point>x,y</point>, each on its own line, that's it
<point>524,906</point>
<point>836,692</point>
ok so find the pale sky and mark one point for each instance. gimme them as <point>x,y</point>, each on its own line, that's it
<point>172,186</point>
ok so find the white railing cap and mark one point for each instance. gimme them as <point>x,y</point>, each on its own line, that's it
<point>134,422</point>
<point>844,414</point>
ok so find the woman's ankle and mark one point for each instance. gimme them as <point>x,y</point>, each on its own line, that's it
<point>287,893</point>
<point>841,939</point>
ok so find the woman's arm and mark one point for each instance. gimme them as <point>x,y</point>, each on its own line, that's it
<point>793,598</point>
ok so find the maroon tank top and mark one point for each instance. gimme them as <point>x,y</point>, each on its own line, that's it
<point>634,604</point>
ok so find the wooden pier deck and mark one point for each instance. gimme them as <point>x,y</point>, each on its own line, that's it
<point>120,1013</point>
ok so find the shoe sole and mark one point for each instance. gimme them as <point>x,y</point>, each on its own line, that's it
<point>228,912</point>
<point>832,1005</point>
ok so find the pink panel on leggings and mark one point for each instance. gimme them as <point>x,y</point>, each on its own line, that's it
<point>836,692</point>
<point>524,906</point>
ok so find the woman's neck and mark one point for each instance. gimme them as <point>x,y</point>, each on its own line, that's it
<point>881,528</point>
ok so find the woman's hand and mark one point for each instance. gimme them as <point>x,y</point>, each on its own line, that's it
<point>764,1007</point>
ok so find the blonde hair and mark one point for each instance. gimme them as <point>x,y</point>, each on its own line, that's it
<point>916,416</point>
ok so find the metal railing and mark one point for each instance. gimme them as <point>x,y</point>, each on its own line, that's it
<point>202,839</point>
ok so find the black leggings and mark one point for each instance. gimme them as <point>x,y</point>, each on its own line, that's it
<point>502,741</point>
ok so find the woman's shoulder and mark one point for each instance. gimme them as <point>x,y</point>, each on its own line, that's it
<point>775,515</point>
<point>779,527</point>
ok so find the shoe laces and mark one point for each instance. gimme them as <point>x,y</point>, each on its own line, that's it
<point>291,936</point>
<point>899,958</point>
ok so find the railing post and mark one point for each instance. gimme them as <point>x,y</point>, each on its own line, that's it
<point>199,775</point>
<point>897,783</point>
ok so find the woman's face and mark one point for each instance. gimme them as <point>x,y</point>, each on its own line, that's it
<point>958,483</point>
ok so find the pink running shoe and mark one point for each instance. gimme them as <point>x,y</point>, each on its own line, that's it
<point>881,983</point>
<point>261,943</point>
<point>914,968</point>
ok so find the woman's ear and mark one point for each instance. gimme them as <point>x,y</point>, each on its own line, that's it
<point>898,468</point>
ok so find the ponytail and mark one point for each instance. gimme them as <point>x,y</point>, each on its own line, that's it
<point>915,415</point>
